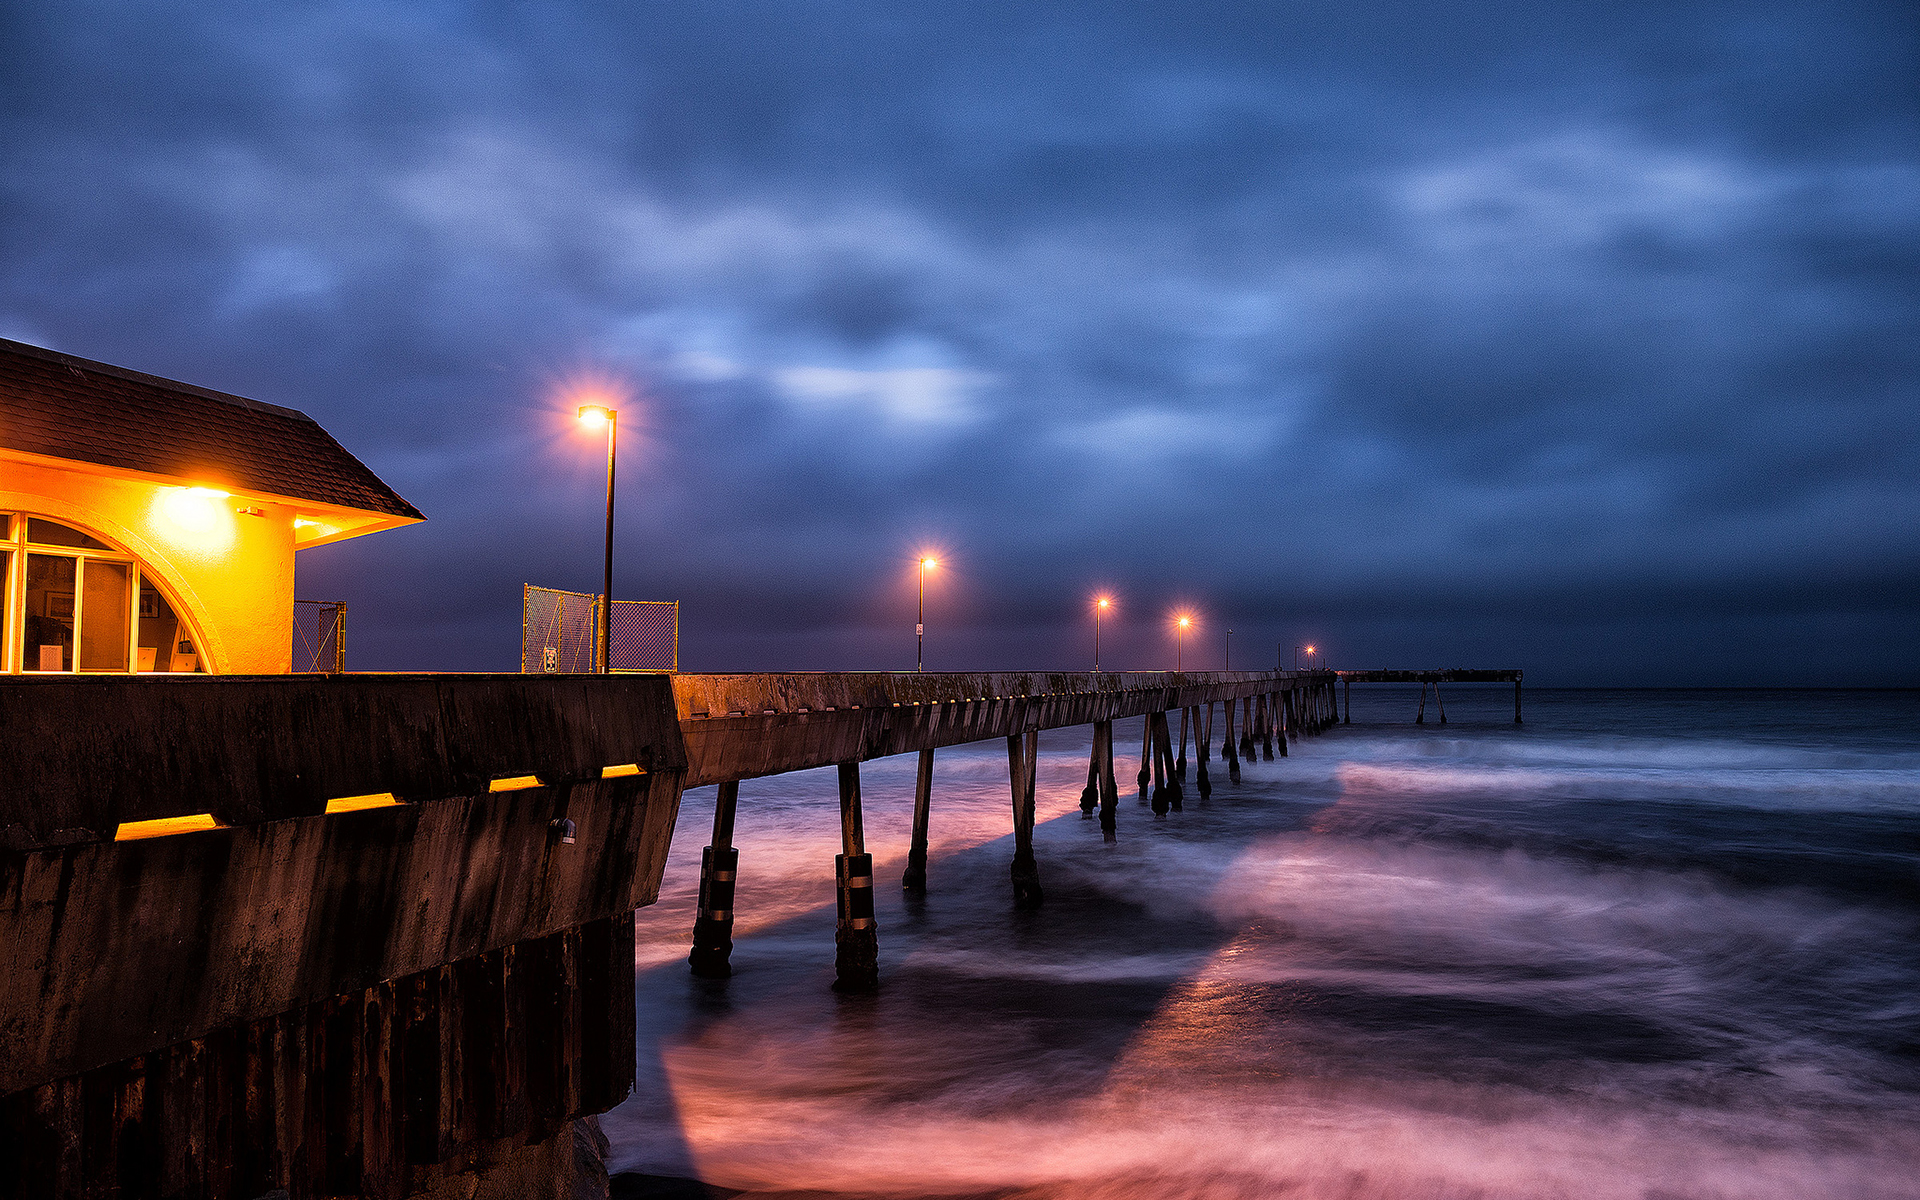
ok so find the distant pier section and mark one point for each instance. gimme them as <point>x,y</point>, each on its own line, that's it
<point>1427,679</point>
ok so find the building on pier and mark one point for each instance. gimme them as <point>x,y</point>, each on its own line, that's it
<point>151,526</point>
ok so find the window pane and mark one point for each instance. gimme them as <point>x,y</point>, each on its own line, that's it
<point>165,644</point>
<point>103,617</point>
<point>6,527</point>
<point>47,633</point>
<point>53,533</point>
<point>6,610</point>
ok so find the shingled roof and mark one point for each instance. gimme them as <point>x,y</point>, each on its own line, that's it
<point>73,408</point>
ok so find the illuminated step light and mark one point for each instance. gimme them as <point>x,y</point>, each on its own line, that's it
<point>347,804</point>
<point>514,783</point>
<point>133,831</point>
<point>622,769</point>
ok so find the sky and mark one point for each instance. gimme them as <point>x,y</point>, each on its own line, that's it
<point>1576,338</point>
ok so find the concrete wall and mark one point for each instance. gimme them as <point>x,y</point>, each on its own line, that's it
<point>110,948</point>
<point>465,1081</point>
<point>416,998</point>
<point>116,949</point>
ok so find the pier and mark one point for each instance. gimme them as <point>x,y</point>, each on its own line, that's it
<point>740,727</point>
<point>371,935</point>
<point>1427,679</point>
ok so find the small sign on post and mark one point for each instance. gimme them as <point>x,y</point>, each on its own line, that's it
<point>550,660</point>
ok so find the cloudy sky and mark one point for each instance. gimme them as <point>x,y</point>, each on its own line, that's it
<point>1580,338</point>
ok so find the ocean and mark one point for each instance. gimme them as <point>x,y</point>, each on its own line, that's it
<point>1649,945</point>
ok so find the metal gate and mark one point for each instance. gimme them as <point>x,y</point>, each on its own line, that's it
<point>320,636</point>
<point>559,633</point>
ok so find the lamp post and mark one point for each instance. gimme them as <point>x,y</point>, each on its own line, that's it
<point>920,626</point>
<point>1099,606</point>
<point>1180,643</point>
<point>1296,657</point>
<point>593,416</point>
<point>1229,658</point>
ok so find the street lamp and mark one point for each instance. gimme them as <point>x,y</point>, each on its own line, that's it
<point>1296,657</point>
<point>1180,642</point>
<point>920,626</point>
<point>593,416</point>
<point>1099,606</point>
<point>1229,660</point>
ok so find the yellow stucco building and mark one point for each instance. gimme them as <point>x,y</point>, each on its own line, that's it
<point>150,526</point>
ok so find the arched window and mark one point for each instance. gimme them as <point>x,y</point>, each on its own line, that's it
<point>75,603</point>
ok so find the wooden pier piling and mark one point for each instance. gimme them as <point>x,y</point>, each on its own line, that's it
<point>1179,761</point>
<point>1158,796</point>
<point>1146,750</point>
<point>1228,748</point>
<point>856,936</point>
<point>1201,782</point>
<point>1023,761</point>
<point>719,864</point>
<point>1109,788</point>
<point>915,878</point>
<point>1163,734</point>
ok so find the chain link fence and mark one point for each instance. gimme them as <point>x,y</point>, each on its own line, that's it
<point>319,636</point>
<point>646,636</point>
<point>559,633</point>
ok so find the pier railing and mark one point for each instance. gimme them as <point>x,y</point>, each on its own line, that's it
<point>743,726</point>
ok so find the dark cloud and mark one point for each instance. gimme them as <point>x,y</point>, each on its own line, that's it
<point>1431,332</point>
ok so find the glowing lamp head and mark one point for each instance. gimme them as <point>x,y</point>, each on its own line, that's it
<point>1309,649</point>
<point>928,563</point>
<point>1185,621</point>
<point>1103,602</point>
<point>595,416</point>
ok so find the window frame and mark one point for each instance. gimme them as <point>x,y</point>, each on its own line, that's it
<point>13,596</point>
